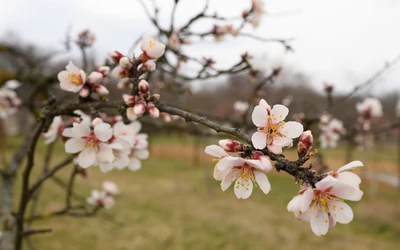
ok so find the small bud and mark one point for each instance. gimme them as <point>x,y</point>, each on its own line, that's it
<point>153,111</point>
<point>307,139</point>
<point>144,87</point>
<point>125,63</point>
<point>149,66</point>
<point>95,78</point>
<point>130,100</point>
<point>166,117</point>
<point>101,90</point>
<point>115,55</point>
<point>139,108</point>
<point>230,145</point>
<point>84,92</point>
<point>119,72</point>
<point>153,98</point>
<point>104,70</point>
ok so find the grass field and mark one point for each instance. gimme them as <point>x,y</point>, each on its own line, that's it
<point>172,204</point>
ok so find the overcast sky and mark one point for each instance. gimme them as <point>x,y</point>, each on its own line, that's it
<point>339,41</point>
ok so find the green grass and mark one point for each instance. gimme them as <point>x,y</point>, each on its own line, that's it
<point>171,204</point>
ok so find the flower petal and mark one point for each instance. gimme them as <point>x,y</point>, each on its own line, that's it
<point>279,113</point>
<point>350,165</point>
<point>87,157</point>
<point>229,178</point>
<point>346,191</point>
<point>306,199</point>
<point>134,164</point>
<point>75,145</point>
<point>243,188</point>
<point>319,222</point>
<point>259,140</point>
<point>105,153</point>
<point>340,211</point>
<point>103,131</point>
<point>215,151</point>
<point>259,116</point>
<point>292,129</point>
<point>349,178</point>
<point>262,181</point>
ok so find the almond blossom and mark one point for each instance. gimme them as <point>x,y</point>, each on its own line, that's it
<point>323,205</point>
<point>9,102</point>
<point>151,48</point>
<point>240,107</point>
<point>370,107</point>
<point>244,172</point>
<point>91,145</point>
<point>54,130</point>
<point>273,132</point>
<point>100,198</point>
<point>257,12</point>
<point>72,79</point>
<point>110,188</point>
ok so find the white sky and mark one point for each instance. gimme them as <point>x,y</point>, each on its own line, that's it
<point>340,41</point>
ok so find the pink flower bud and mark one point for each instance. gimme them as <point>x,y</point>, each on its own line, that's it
<point>115,55</point>
<point>144,87</point>
<point>130,100</point>
<point>307,139</point>
<point>153,98</point>
<point>139,108</point>
<point>166,117</point>
<point>153,111</point>
<point>119,72</point>
<point>95,78</point>
<point>84,92</point>
<point>104,70</point>
<point>230,145</point>
<point>149,66</point>
<point>101,90</point>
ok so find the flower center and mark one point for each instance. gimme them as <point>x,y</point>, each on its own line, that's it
<point>74,79</point>
<point>151,44</point>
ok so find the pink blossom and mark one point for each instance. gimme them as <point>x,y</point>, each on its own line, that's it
<point>72,79</point>
<point>273,132</point>
<point>98,198</point>
<point>323,205</point>
<point>244,172</point>
<point>151,48</point>
<point>92,145</point>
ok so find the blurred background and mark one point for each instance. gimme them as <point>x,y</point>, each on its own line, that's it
<point>173,202</point>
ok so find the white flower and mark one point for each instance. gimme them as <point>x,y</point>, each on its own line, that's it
<point>244,172</point>
<point>151,48</point>
<point>273,132</point>
<point>54,130</point>
<point>174,42</point>
<point>240,107</point>
<point>91,145</point>
<point>328,139</point>
<point>72,79</point>
<point>370,107</point>
<point>9,102</point>
<point>258,11</point>
<point>98,198</point>
<point>110,188</point>
<point>323,205</point>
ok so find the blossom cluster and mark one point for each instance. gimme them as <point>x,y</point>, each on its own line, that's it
<point>320,203</point>
<point>331,130</point>
<point>323,205</point>
<point>369,109</point>
<point>97,143</point>
<point>144,102</point>
<point>256,12</point>
<point>75,80</point>
<point>104,198</point>
<point>9,101</point>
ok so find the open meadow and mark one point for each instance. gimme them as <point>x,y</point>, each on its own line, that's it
<point>174,203</point>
